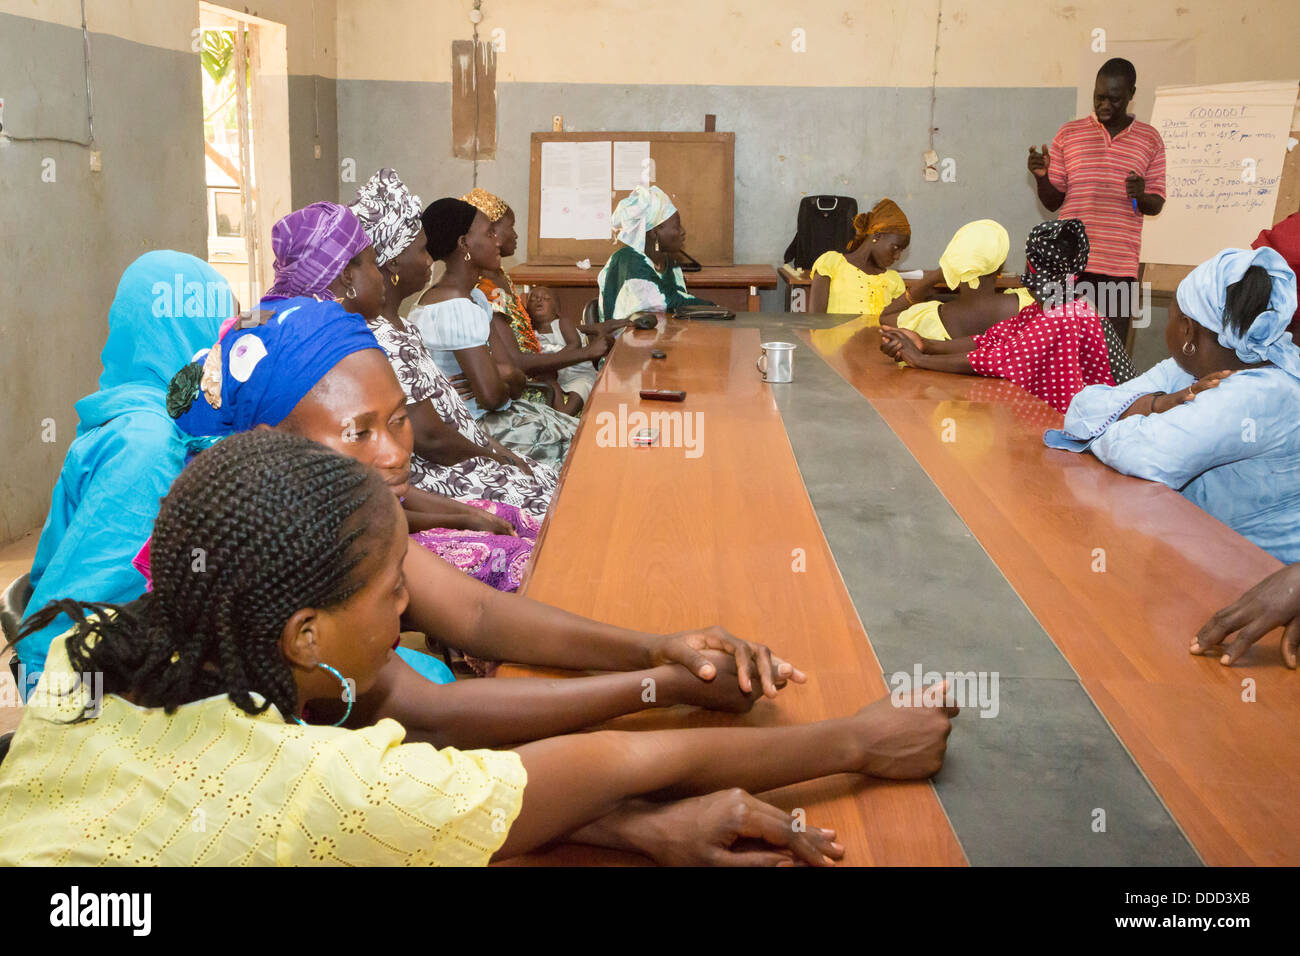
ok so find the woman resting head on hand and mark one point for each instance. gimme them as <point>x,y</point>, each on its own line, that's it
<point>278,580</point>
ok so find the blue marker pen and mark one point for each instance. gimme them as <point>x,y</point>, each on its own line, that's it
<point>1135,205</point>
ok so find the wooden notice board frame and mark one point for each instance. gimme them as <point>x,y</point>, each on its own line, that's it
<point>696,170</point>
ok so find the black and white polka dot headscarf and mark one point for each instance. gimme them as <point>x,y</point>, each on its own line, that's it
<point>1056,253</point>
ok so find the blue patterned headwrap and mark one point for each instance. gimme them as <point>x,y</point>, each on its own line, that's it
<point>257,375</point>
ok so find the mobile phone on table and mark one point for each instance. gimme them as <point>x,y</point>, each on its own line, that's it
<point>644,436</point>
<point>663,394</point>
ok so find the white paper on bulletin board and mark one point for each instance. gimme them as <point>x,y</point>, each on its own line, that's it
<point>631,164</point>
<point>1224,149</point>
<point>575,194</point>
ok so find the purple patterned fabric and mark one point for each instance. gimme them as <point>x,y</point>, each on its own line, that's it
<point>498,560</point>
<point>312,245</point>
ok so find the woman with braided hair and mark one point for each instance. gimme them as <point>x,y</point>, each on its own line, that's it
<point>316,371</point>
<point>281,579</point>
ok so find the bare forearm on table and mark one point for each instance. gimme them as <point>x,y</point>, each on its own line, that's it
<point>958,362</point>
<point>470,616</point>
<point>949,346</point>
<point>471,714</point>
<point>577,779</point>
<point>895,307</point>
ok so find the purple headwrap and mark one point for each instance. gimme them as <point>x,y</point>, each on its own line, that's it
<point>312,245</point>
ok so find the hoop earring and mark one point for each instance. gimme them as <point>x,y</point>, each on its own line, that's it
<point>347,697</point>
<point>351,293</point>
<point>1189,348</point>
<point>467,257</point>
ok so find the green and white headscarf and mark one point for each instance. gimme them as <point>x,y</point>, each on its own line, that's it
<point>644,208</point>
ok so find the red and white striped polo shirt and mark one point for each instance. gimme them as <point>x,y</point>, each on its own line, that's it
<point>1090,168</point>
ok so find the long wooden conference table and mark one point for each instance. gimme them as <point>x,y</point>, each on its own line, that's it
<point>868,520</point>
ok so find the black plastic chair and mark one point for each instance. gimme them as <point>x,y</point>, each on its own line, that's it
<point>13,605</point>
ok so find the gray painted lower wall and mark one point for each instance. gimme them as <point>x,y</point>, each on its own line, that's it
<point>863,142</point>
<point>64,244</point>
<point>312,107</point>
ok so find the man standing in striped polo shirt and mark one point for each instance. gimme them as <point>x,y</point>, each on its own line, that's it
<point>1107,169</point>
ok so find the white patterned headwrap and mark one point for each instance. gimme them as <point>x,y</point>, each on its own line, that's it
<point>389,214</point>
<point>644,208</point>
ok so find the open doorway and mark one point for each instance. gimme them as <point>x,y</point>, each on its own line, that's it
<point>244,65</point>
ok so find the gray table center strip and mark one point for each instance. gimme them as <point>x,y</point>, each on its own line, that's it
<point>1030,783</point>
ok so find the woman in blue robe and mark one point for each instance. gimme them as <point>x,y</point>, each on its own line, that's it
<point>1219,421</point>
<point>127,450</point>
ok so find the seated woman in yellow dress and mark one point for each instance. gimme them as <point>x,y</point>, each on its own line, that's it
<point>863,282</point>
<point>168,730</point>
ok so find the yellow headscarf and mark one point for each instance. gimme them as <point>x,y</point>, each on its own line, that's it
<point>977,249</point>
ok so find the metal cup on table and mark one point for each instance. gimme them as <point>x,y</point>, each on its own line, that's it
<point>777,362</point>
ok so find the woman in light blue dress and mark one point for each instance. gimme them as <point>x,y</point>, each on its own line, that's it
<point>454,320</point>
<point>1219,421</point>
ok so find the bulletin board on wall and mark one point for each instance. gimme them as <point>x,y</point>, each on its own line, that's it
<point>696,170</point>
<point>1213,200</point>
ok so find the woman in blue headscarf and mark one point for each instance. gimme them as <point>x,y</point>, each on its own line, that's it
<point>127,449</point>
<point>1219,420</point>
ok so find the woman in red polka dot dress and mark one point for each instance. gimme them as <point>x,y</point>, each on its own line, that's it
<point>1052,348</point>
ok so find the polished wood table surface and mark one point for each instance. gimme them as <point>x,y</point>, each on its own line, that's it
<point>1121,573</point>
<point>716,537</point>
<point>735,286</point>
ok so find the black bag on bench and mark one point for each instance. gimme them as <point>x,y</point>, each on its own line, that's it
<point>825,222</point>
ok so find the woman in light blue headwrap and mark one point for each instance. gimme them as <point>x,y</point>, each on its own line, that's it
<point>127,449</point>
<point>1220,420</point>
<point>643,276</point>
